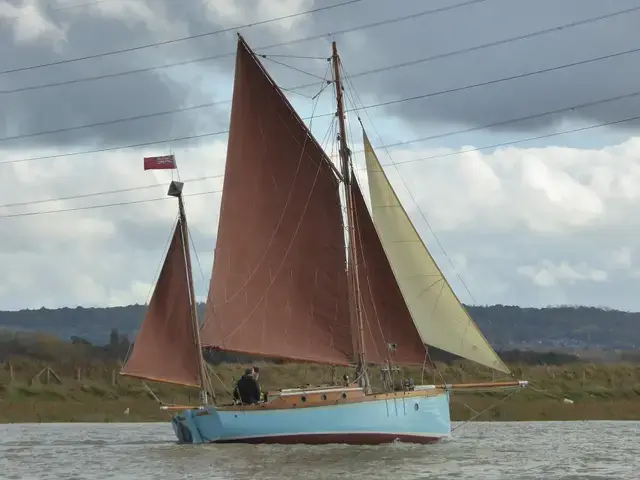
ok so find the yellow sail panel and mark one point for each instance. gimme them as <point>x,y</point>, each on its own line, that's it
<point>440,318</point>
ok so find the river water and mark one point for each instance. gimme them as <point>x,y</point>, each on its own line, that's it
<point>562,450</point>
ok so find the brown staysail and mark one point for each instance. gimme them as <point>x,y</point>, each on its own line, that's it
<point>165,348</point>
<point>386,318</point>
<point>278,287</point>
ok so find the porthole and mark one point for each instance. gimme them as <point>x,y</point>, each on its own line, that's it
<point>343,395</point>
<point>303,398</point>
<point>323,397</point>
<point>416,407</point>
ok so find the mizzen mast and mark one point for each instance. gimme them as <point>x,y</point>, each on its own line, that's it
<point>175,190</point>
<point>355,299</point>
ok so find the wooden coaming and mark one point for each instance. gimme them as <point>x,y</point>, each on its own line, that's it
<point>327,397</point>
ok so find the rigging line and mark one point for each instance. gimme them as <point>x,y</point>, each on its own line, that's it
<point>303,57</point>
<point>321,36</point>
<point>289,90</point>
<point>204,279</point>
<point>286,253</point>
<point>360,74</point>
<point>102,205</point>
<point>349,99</point>
<point>491,407</point>
<point>182,39</point>
<point>374,105</point>
<point>420,209</point>
<point>284,208</point>
<point>104,192</point>
<point>153,283</point>
<point>278,62</point>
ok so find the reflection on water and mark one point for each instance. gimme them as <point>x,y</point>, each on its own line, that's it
<point>567,450</point>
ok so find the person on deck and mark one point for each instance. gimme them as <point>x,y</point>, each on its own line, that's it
<point>256,374</point>
<point>247,390</point>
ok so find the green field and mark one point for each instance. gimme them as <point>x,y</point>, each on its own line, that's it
<point>96,392</point>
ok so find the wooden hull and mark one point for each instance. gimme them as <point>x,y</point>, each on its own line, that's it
<point>323,417</point>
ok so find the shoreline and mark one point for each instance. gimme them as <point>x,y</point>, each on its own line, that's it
<point>146,410</point>
<point>97,393</point>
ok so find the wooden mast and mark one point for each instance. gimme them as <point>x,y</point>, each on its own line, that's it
<point>175,190</point>
<point>355,299</point>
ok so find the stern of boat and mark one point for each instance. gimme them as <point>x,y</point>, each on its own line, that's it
<point>197,425</point>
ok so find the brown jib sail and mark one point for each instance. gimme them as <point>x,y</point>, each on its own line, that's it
<point>279,286</point>
<point>165,348</point>
<point>386,317</point>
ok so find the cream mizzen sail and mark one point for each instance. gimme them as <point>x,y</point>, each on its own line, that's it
<point>440,318</point>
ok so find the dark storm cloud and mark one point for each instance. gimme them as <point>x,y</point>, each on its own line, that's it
<point>143,93</point>
<point>102,100</point>
<point>492,21</point>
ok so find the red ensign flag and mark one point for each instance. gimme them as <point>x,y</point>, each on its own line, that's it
<point>166,162</point>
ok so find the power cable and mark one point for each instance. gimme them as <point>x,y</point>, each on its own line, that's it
<point>102,205</point>
<point>334,34</point>
<point>522,140</point>
<point>374,105</point>
<point>397,144</point>
<point>182,39</point>
<point>401,162</point>
<point>103,192</point>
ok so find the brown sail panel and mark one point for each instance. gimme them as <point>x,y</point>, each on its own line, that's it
<point>386,317</point>
<point>165,349</point>
<point>278,287</point>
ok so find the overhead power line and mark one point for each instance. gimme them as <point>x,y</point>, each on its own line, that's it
<point>110,122</point>
<point>397,144</point>
<point>375,105</point>
<point>502,123</point>
<point>230,54</point>
<point>103,192</point>
<point>421,159</point>
<point>103,205</point>
<point>337,33</point>
<point>422,139</point>
<point>182,39</point>
<point>522,140</point>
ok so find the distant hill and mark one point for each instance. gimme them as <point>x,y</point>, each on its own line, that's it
<point>506,327</point>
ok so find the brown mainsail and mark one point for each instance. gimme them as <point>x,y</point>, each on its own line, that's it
<point>165,348</point>
<point>385,314</point>
<point>278,287</point>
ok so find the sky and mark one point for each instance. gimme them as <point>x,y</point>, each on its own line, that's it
<point>518,163</point>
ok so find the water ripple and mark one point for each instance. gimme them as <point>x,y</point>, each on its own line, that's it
<point>492,451</point>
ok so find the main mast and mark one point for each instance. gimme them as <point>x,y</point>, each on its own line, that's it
<point>355,300</point>
<point>175,190</point>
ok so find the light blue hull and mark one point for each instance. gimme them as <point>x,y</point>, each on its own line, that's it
<point>417,419</point>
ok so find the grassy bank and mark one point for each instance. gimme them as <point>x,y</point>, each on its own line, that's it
<point>95,393</point>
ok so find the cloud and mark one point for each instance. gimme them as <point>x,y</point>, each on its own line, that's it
<point>493,21</point>
<point>530,226</point>
<point>510,240</point>
<point>536,223</point>
<point>101,256</point>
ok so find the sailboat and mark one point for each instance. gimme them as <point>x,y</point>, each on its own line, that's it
<point>292,279</point>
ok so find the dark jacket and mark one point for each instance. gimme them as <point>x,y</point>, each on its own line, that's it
<point>247,390</point>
